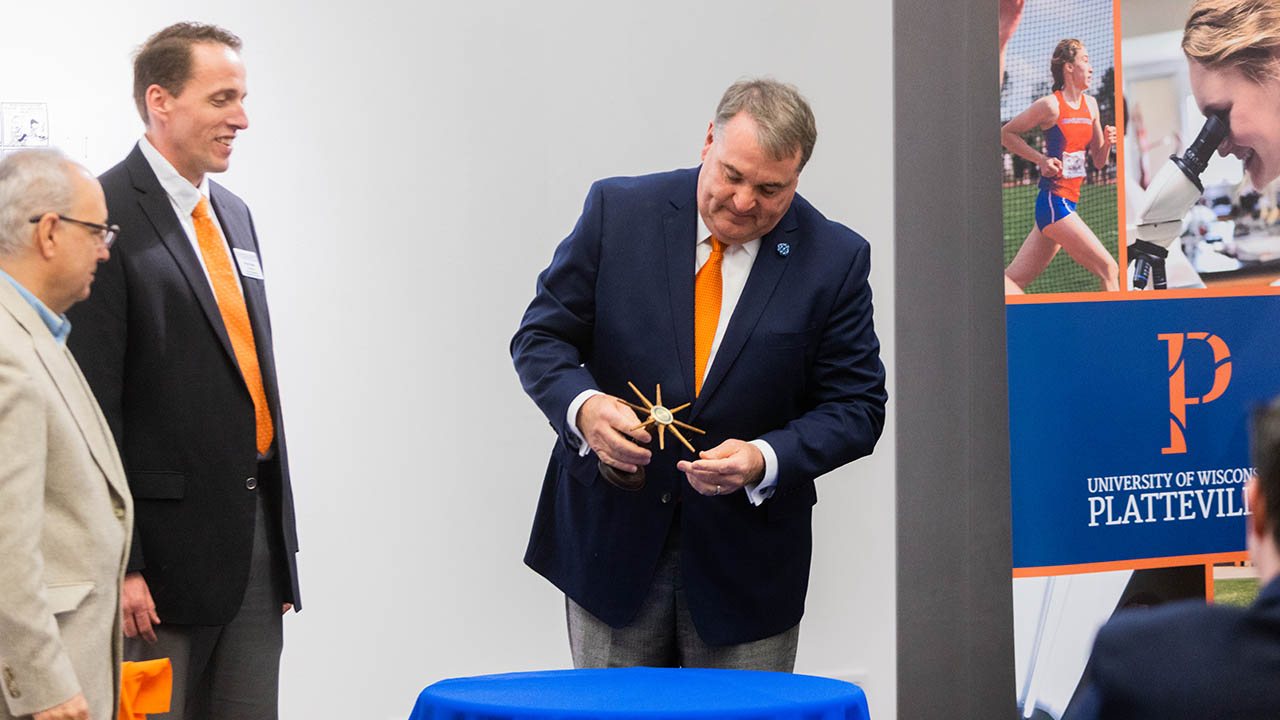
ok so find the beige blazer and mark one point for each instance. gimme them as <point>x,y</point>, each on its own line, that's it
<point>66,519</point>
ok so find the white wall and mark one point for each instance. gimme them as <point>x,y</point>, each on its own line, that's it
<point>411,167</point>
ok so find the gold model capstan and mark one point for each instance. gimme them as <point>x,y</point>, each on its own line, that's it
<point>662,417</point>
<point>665,420</point>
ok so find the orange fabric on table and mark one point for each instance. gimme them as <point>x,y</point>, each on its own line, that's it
<point>708,289</point>
<point>145,687</point>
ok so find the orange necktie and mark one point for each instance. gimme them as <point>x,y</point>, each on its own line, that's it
<point>707,288</point>
<point>234,316</point>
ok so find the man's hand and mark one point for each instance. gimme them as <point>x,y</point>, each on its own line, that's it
<point>138,609</point>
<point>607,424</point>
<point>725,468</point>
<point>74,709</point>
<point>286,608</point>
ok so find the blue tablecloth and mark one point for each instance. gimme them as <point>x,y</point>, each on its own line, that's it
<point>641,693</point>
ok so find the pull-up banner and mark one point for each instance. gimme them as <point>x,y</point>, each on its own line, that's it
<point>1140,340</point>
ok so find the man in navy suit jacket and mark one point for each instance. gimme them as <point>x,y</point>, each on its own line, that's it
<point>708,563</point>
<point>1189,660</point>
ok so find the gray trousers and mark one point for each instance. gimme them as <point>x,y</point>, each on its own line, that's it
<point>662,635</point>
<point>227,672</point>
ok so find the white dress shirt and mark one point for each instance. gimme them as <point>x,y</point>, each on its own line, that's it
<point>734,270</point>
<point>184,197</point>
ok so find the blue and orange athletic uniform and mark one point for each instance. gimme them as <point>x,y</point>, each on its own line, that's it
<point>1068,140</point>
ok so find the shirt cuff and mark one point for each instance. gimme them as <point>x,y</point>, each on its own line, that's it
<point>763,490</point>
<point>571,422</point>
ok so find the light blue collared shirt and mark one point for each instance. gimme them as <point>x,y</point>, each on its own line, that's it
<point>59,325</point>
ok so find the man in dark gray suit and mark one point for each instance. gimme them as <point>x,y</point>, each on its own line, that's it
<point>177,347</point>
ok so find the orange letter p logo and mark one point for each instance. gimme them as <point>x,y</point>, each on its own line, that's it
<point>1178,400</point>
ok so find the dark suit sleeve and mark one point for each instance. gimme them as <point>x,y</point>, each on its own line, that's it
<point>555,335</point>
<point>848,395</point>
<point>99,342</point>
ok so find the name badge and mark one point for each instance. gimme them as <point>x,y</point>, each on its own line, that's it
<point>248,262</point>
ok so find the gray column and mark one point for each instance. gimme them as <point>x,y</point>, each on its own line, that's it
<point>955,617</point>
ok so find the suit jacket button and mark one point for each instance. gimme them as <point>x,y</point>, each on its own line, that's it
<point>666,498</point>
<point>251,484</point>
<point>120,512</point>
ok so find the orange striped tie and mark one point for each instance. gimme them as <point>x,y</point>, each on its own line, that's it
<point>707,287</point>
<point>234,316</point>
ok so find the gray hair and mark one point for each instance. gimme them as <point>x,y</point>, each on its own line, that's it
<point>32,182</point>
<point>783,118</point>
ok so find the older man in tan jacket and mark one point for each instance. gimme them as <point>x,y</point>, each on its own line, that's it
<point>65,511</point>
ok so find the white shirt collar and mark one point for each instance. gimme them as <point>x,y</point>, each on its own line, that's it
<point>704,236</point>
<point>185,196</point>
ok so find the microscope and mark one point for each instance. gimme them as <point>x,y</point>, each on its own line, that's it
<point>1175,189</point>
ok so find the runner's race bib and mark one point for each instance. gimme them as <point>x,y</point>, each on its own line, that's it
<point>1073,164</point>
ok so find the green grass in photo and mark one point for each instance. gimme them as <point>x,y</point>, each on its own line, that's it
<point>1097,208</point>
<point>1238,592</point>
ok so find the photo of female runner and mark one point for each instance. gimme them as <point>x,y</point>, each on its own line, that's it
<point>1069,120</point>
<point>1232,49</point>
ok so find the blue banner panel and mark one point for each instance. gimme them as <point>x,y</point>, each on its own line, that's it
<point>1129,425</point>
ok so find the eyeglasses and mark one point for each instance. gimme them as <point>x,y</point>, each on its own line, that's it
<point>106,234</point>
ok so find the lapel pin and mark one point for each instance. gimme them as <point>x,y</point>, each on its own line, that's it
<point>784,249</point>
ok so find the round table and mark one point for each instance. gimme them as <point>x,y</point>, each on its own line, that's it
<point>642,693</point>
